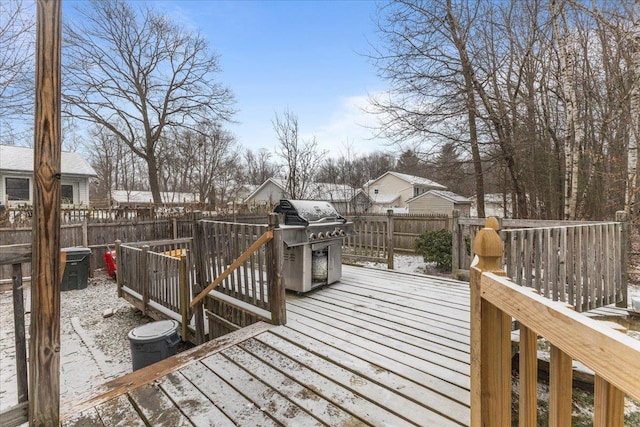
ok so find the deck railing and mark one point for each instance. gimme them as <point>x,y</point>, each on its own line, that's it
<point>157,277</point>
<point>241,265</point>
<point>495,301</point>
<point>581,263</point>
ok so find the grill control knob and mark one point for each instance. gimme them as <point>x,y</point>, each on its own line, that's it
<point>341,232</point>
<point>321,235</point>
<point>312,236</point>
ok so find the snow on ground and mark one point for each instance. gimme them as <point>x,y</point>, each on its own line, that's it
<point>93,348</point>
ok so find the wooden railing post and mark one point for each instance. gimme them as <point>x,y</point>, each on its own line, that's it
<point>145,278</point>
<point>276,290</point>
<point>560,388</point>
<point>199,285</point>
<point>20,338</point>
<point>118,270</point>
<point>184,297</point>
<point>625,243</point>
<point>390,243</point>
<point>455,242</point>
<point>490,338</point>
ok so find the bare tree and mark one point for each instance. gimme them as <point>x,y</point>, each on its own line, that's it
<point>17,50</point>
<point>197,161</point>
<point>425,59</point>
<point>302,158</point>
<point>259,166</point>
<point>138,74</point>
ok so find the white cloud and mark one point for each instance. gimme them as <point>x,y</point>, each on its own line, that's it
<point>348,126</point>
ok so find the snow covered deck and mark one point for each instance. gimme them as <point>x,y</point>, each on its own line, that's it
<point>377,348</point>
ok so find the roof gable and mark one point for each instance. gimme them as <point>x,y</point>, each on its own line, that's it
<point>20,159</point>
<point>270,181</point>
<point>447,195</point>
<point>410,179</point>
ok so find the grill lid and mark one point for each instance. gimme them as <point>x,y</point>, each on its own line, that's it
<point>304,212</point>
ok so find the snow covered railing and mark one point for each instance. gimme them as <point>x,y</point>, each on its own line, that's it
<point>495,302</point>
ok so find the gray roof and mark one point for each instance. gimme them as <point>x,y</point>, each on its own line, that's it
<point>411,179</point>
<point>123,196</point>
<point>448,195</point>
<point>20,159</point>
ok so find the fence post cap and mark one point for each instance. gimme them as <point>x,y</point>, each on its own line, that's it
<point>488,246</point>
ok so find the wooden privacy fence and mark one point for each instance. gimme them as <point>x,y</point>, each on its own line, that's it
<point>495,301</point>
<point>378,237</point>
<point>241,263</point>
<point>581,263</point>
<point>157,277</point>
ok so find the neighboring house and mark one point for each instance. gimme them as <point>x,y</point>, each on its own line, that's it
<point>267,194</point>
<point>339,195</point>
<point>392,190</point>
<point>495,204</point>
<point>140,198</point>
<point>439,202</point>
<point>16,177</point>
<point>270,192</point>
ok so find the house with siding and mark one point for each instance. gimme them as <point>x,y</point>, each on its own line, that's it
<point>439,202</point>
<point>16,177</point>
<point>392,190</point>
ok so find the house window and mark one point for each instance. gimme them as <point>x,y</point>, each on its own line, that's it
<point>66,194</point>
<point>375,191</point>
<point>17,189</point>
<point>416,191</point>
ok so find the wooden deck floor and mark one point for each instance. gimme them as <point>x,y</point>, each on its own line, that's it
<point>379,348</point>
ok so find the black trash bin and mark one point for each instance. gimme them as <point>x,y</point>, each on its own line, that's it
<point>153,342</point>
<point>76,269</point>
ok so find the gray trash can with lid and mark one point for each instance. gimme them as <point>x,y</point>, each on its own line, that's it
<point>153,342</point>
<point>76,269</point>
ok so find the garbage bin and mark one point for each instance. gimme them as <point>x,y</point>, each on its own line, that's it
<point>76,270</point>
<point>153,342</point>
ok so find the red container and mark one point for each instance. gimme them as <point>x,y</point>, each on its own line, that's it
<point>110,263</point>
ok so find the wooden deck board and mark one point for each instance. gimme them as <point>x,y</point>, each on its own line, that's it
<point>378,348</point>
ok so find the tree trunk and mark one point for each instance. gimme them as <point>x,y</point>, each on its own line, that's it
<point>573,138</point>
<point>634,134</point>
<point>475,149</point>
<point>154,182</point>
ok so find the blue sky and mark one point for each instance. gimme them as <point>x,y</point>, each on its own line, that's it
<point>305,56</point>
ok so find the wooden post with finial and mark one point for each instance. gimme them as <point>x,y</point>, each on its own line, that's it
<point>490,338</point>
<point>44,345</point>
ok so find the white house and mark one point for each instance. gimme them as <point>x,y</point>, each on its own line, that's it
<point>16,177</point>
<point>439,202</point>
<point>267,194</point>
<point>392,190</point>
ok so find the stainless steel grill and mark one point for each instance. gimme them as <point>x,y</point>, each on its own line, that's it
<point>312,232</point>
